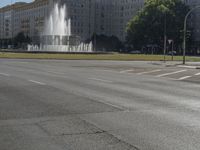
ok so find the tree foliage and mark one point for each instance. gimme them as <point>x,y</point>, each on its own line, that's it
<point>148,26</point>
<point>21,39</point>
<point>106,43</point>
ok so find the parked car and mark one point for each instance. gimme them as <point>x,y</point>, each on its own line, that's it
<point>135,52</point>
<point>170,53</point>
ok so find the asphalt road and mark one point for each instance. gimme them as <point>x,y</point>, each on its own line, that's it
<point>98,105</point>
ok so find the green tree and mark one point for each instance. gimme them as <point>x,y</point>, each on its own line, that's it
<point>148,26</point>
<point>21,39</point>
<point>106,43</point>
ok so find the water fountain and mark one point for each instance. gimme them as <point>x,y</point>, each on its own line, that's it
<point>57,36</point>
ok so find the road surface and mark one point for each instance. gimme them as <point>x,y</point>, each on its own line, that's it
<point>98,105</point>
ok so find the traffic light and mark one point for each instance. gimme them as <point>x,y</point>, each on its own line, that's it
<point>188,34</point>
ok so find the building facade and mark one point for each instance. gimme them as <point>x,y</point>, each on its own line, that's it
<point>87,17</point>
<point>108,17</point>
<point>23,17</point>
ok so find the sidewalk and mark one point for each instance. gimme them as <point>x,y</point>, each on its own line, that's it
<point>190,65</point>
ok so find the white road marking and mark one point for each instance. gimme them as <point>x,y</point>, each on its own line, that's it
<point>102,80</point>
<point>5,74</point>
<point>190,67</point>
<point>186,77</point>
<point>171,73</point>
<point>105,70</point>
<point>126,71</point>
<point>197,74</point>
<point>55,72</point>
<point>149,72</point>
<point>37,82</point>
<point>23,62</point>
<point>113,105</point>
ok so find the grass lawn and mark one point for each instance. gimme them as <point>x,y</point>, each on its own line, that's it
<point>115,56</point>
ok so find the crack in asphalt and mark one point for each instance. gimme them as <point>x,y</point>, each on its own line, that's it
<point>82,133</point>
<point>126,143</point>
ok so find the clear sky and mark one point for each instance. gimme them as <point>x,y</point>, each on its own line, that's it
<point>7,2</point>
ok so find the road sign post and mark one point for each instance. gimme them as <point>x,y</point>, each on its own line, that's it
<point>171,42</point>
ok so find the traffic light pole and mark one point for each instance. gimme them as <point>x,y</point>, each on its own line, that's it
<point>185,31</point>
<point>165,37</point>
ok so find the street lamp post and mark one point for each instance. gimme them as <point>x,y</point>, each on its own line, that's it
<point>12,23</point>
<point>165,36</point>
<point>95,31</point>
<point>172,50</point>
<point>185,31</point>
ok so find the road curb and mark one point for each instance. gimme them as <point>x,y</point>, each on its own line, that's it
<point>189,67</point>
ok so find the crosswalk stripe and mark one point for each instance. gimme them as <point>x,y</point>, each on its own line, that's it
<point>190,67</point>
<point>186,77</point>
<point>197,74</point>
<point>149,72</point>
<point>171,73</point>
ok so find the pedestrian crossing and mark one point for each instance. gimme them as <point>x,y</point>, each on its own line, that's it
<point>153,71</point>
<point>185,77</point>
<point>178,74</point>
<point>170,73</point>
<point>197,74</point>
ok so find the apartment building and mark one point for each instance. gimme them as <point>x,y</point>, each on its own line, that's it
<point>23,17</point>
<point>6,22</point>
<point>81,13</point>
<point>108,17</point>
<point>112,16</point>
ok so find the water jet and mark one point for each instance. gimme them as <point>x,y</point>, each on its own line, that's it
<point>57,36</point>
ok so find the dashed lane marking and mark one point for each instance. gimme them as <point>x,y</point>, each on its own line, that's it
<point>102,80</point>
<point>171,73</point>
<point>126,71</point>
<point>106,70</point>
<point>153,71</point>
<point>37,82</point>
<point>5,74</point>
